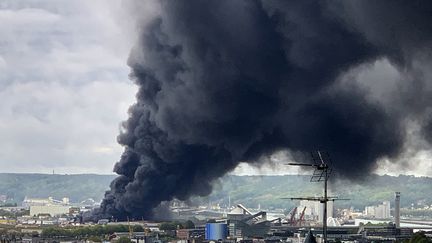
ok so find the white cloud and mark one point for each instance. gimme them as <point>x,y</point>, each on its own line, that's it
<point>55,126</point>
<point>276,164</point>
<point>63,84</point>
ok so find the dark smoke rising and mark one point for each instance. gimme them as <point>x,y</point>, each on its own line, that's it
<point>224,81</point>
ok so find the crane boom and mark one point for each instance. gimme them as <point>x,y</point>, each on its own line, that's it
<point>292,218</point>
<point>301,219</point>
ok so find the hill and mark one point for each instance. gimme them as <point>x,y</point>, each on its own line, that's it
<point>76,187</point>
<point>267,191</point>
<point>251,191</point>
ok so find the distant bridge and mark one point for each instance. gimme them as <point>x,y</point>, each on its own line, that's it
<point>417,222</point>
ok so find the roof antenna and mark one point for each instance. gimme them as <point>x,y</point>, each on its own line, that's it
<point>321,173</point>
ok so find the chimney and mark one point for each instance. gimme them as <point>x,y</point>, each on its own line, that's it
<point>397,209</point>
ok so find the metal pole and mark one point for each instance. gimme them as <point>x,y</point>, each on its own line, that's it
<point>325,207</point>
<point>325,197</point>
<point>321,172</point>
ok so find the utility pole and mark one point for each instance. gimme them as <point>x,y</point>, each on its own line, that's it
<point>325,170</point>
<point>321,174</point>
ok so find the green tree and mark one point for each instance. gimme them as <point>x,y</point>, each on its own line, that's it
<point>419,237</point>
<point>124,239</point>
<point>94,239</point>
<point>137,228</point>
<point>168,226</point>
<point>189,225</point>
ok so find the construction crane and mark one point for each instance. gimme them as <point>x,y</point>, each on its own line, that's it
<point>301,219</point>
<point>292,218</point>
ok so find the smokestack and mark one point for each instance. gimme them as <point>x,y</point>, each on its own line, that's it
<point>397,209</point>
<point>224,81</point>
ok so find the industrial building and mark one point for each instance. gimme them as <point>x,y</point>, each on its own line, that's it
<point>185,234</point>
<point>390,232</point>
<point>47,206</point>
<point>52,210</point>
<point>244,223</point>
<point>27,202</point>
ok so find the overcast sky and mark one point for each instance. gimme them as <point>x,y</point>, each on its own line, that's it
<point>64,87</point>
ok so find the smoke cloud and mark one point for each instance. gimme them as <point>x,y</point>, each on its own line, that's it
<point>225,81</point>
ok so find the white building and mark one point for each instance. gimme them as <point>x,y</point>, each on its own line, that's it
<point>311,209</point>
<point>315,209</point>
<point>52,210</point>
<point>370,211</point>
<point>28,202</point>
<point>381,211</point>
<point>321,210</point>
<point>387,210</point>
<point>35,202</point>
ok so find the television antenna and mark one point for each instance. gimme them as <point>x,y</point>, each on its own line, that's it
<point>321,173</point>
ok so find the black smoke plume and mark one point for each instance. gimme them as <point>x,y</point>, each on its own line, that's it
<point>224,81</point>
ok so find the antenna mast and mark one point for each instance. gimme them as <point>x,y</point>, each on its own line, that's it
<point>321,173</point>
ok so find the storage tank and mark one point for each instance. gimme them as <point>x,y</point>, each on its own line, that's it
<point>216,231</point>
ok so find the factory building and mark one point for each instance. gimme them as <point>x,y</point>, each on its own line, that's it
<point>52,210</point>
<point>185,234</point>
<point>47,206</point>
<point>390,231</point>
<point>28,202</point>
<point>243,223</point>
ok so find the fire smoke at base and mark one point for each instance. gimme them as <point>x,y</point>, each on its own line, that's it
<point>226,81</point>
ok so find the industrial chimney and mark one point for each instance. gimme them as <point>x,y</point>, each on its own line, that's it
<point>397,209</point>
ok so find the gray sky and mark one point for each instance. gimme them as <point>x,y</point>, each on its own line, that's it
<point>64,88</point>
<point>64,85</point>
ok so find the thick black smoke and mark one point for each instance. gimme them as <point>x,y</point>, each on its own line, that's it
<point>224,81</point>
